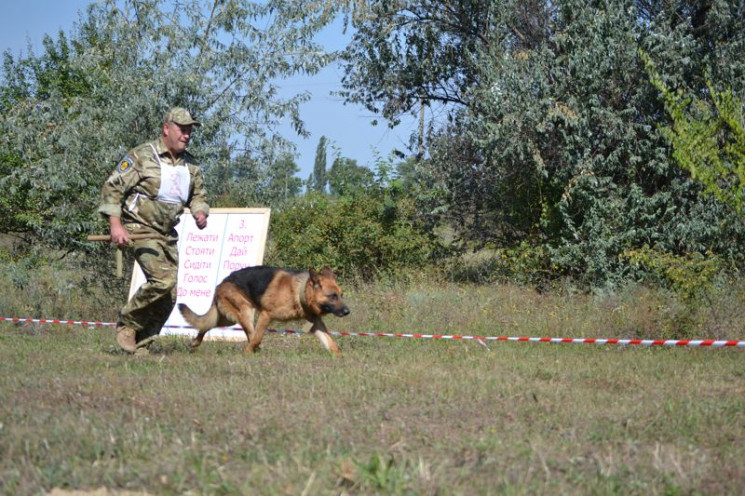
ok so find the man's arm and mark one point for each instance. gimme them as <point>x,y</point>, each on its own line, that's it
<point>114,189</point>
<point>200,210</point>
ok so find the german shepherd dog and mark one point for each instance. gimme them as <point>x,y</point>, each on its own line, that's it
<point>277,294</point>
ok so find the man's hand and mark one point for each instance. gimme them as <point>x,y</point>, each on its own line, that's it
<point>201,220</point>
<point>119,235</point>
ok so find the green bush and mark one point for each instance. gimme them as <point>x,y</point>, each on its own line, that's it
<point>690,275</point>
<point>41,283</point>
<point>520,264</point>
<point>367,235</point>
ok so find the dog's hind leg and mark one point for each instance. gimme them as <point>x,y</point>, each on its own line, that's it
<point>197,340</point>
<point>222,320</point>
<point>203,323</point>
<point>235,307</point>
<point>319,330</point>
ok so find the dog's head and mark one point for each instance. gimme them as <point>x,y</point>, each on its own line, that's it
<point>326,295</point>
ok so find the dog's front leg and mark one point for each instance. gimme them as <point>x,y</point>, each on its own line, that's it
<point>261,325</point>
<point>319,330</point>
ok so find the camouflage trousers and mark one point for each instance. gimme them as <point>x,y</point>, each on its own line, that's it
<point>150,306</point>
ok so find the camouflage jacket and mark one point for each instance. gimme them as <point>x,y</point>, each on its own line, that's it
<point>150,189</point>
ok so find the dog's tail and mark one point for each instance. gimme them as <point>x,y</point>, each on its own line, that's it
<point>200,322</point>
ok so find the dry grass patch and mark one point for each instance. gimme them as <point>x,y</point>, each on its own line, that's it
<point>394,416</point>
<point>391,417</point>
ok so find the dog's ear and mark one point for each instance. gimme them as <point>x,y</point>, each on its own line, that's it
<point>313,276</point>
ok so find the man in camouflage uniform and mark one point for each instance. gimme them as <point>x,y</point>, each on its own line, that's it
<point>146,194</point>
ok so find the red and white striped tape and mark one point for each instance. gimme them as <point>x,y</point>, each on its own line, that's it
<point>691,343</point>
<point>57,321</point>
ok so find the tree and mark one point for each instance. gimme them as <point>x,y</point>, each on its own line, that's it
<point>319,167</point>
<point>40,194</point>
<point>410,52</point>
<point>575,121</point>
<point>282,185</point>
<point>236,183</point>
<point>708,138</point>
<point>346,178</point>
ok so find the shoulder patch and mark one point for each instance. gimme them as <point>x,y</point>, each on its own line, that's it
<point>125,165</point>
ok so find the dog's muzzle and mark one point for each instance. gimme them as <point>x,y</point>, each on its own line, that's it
<point>342,311</point>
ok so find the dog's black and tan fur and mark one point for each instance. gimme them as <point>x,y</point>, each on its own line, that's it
<point>276,294</point>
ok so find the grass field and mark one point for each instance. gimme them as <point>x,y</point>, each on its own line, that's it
<point>393,416</point>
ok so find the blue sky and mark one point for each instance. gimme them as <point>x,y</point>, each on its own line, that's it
<point>348,127</point>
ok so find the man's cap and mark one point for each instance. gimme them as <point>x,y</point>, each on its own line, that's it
<point>180,116</point>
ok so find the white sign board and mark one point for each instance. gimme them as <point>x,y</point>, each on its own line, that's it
<point>234,238</point>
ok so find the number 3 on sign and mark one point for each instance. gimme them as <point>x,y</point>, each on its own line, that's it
<point>243,224</point>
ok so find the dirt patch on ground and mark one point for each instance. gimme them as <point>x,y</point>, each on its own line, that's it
<point>95,492</point>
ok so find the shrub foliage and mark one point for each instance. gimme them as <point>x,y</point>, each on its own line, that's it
<point>369,235</point>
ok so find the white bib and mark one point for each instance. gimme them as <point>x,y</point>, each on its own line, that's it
<point>174,182</point>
